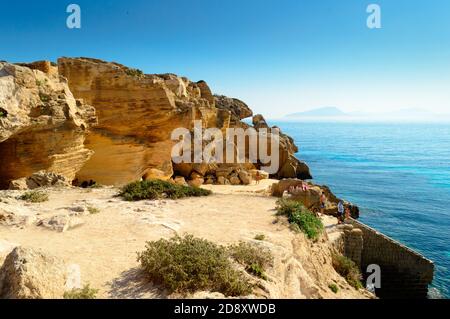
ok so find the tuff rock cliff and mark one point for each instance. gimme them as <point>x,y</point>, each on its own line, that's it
<point>47,124</point>
<point>42,125</point>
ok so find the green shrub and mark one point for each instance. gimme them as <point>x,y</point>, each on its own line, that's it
<point>157,189</point>
<point>253,258</point>
<point>44,97</point>
<point>286,207</point>
<point>34,197</point>
<point>260,237</point>
<point>299,215</point>
<point>93,210</point>
<point>347,269</point>
<point>134,72</point>
<point>190,264</point>
<point>334,288</point>
<point>85,293</point>
<point>255,269</point>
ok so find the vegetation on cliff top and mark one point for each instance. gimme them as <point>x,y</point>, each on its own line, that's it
<point>34,197</point>
<point>190,264</point>
<point>301,217</point>
<point>347,269</point>
<point>134,72</point>
<point>84,293</point>
<point>157,189</point>
<point>253,258</point>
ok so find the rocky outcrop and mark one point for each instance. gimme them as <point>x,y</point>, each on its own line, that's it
<point>137,114</point>
<point>39,179</point>
<point>61,223</point>
<point>8,218</point>
<point>289,165</point>
<point>238,109</point>
<point>309,195</point>
<point>32,274</point>
<point>42,126</point>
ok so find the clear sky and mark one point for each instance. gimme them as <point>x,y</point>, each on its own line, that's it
<point>278,56</point>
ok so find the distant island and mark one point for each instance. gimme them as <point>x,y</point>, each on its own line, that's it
<point>319,112</point>
<point>334,113</point>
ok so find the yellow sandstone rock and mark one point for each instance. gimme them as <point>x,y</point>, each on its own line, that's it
<point>43,127</point>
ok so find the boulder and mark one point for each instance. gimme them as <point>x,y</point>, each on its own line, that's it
<point>224,171</point>
<point>284,185</point>
<point>180,180</point>
<point>245,177</point>
<point>221,180</point>
<point>12,219</point>
<point>31,274</point>
<point>195,175</point>
<point>183,169</point>
<point>40,179</point>
<point>259,122</point>
<point>236,108</point>
<point>61,223</point>
<point>234,180</point>
<point>156,174</point>
<point>197,182</point>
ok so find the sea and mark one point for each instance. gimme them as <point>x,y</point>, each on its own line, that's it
<point>397,173</point>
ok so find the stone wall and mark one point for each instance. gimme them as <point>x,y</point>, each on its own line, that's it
<point>353,244</point>
<point>404,272</point>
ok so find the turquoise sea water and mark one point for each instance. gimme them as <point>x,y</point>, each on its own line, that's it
<point>398,174</point>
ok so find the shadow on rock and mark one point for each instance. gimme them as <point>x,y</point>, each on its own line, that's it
<point>134,284</point>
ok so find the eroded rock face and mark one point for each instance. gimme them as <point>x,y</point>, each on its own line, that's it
<point>238,109</point>
<point>137,114</point>
<point>43,126</point>
<point>289,165</point>
<point>31,274</point>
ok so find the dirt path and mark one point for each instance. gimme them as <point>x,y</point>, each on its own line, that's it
<point>105,245</point>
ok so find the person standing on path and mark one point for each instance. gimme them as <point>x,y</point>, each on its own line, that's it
<point>340,212</point>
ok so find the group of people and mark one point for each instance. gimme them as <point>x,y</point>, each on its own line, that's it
<point>343,212</point>
<point>296,189</point>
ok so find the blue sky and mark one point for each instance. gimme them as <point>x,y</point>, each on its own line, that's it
<point>278,56</point>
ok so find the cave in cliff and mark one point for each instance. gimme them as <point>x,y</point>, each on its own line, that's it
<point>10,164</point>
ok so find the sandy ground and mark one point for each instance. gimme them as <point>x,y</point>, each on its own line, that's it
<point>105,246</point>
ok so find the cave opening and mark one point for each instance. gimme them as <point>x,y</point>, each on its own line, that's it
<point>10,167</point>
